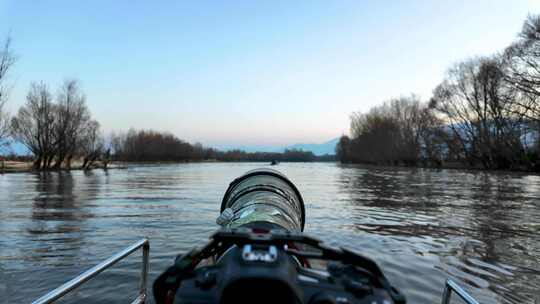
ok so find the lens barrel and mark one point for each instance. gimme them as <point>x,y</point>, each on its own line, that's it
<point>264,196</point>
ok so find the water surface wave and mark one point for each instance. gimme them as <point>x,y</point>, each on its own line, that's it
<point>421,225</point>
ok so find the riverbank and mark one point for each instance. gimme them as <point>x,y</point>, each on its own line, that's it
<point>451,166</point>
<point>24,166</point>
<point>13,166</point>
<point>9,166</point>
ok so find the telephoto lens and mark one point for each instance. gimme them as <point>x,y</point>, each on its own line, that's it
<point>262,198</point>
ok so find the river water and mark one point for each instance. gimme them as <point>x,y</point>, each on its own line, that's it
<point>421,225</point>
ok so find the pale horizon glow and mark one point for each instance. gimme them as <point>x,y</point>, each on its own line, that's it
<point>244,74</point>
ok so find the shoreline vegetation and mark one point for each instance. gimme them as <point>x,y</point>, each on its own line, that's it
<point>14,166</point>
<point>22,166</point>
<point>124,157</point>
<point>485,114</point>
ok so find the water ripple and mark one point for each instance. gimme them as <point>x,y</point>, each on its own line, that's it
<point>422,226</point>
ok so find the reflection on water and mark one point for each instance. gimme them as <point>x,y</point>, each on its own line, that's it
<point>481,228</point>
<point>422,226</point>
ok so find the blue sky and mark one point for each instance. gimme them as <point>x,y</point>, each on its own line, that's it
<point>248,73</point>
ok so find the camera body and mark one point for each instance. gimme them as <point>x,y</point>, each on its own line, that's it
<point>265,274</point>
<point>269,268</point>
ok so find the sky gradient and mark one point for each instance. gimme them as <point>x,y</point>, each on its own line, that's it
<point>248,73</point>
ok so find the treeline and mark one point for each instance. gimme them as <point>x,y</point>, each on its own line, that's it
<point>287,156</point>
<point>485,113</point>
<point>151,146</point>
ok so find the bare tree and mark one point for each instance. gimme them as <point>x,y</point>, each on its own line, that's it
<point>116,143</point>
<point>477,106</point>
<point>92,144</point>
<point>57,131</point>
<point>343,148</point>
<point>523,74</point>
<point>523,66</point>
<point>432,137</point>
<point>7,60</point>
<point>34,124</point>
<point>73,116</point>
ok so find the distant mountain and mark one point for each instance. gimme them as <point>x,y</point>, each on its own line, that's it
<point>249,149</point>
<point>328,147</point>
<point>317,149</point>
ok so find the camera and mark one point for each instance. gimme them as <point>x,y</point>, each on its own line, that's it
<point>261,256</point>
